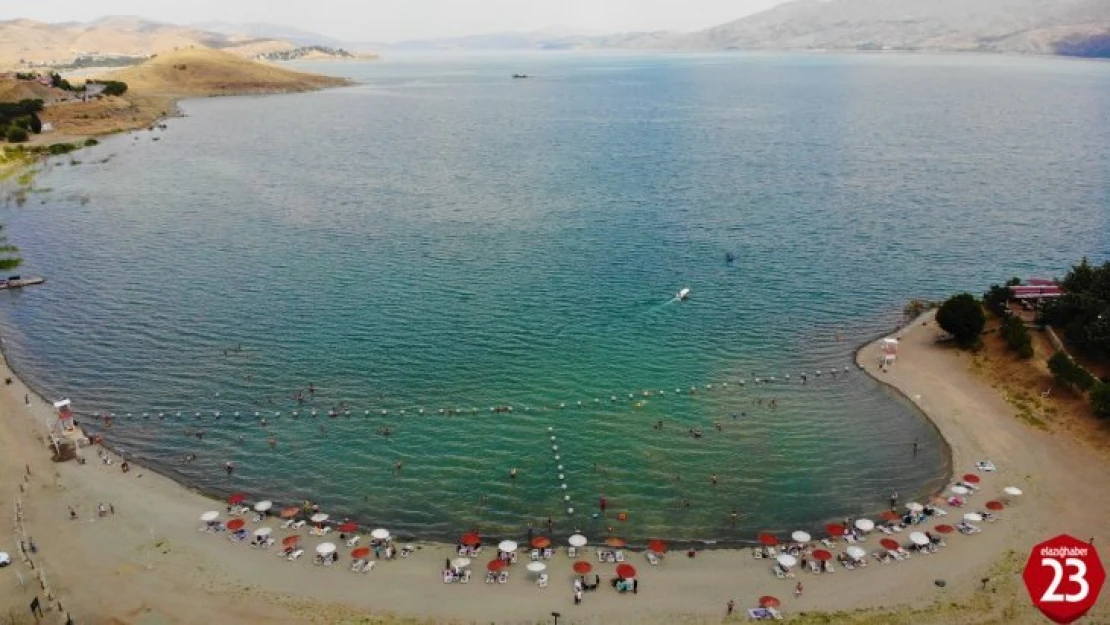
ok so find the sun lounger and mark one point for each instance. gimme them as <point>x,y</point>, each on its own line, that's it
<point>813,568</point>
<point>406,551</point>
<point>463,579</point>
<point>296,554</point>
<point>269,542</point>
<point>352,541</point>
<point>985,465</point>
<point>777,570</point>
<point>288,523</point>
<point>827,543</point>
<point>572,552</point>
<point>548,553</point>
<point>503,577</point>
<point>652,558</point>
<point>356,566</point>
<point>448,577</point>
<point>285,553</point>
<point>940,512</point>
<point>491,577</point>
<point>829,568</point>
<point>542,581</point>
<point>534,555</point>
<point>619,555</point>
<point>299,524</point>
<point>849,565</point>
<point>763,614</point>
<point>886,530</point>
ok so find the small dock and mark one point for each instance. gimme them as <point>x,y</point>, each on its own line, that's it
<point>15,282</point>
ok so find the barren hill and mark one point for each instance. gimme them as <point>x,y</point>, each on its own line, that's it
<point>204,72</point>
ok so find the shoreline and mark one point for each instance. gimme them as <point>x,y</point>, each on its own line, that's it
<point>215,582</point>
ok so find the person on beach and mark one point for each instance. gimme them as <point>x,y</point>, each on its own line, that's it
<point>915,446</point>
<point>729,607</point>
<point>894,500</point>
<point>798,590</point>
<point>27,399</point>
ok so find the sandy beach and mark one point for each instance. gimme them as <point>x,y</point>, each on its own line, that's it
<point>148,563</point>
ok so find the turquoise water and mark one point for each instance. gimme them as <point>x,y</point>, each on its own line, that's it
<point>443,237</point>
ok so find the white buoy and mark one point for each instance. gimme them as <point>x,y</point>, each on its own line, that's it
<point>236,413</point>
<point>708,386</point>
<point>662,392</point>
<point>145,415</point>
<point>596,400</point>
<point>560,467</point>
<point>255,414</point>
<point>741,383</point>
<point>678,390</point>
<point>845,368</point>
<point>402,411</point>
<point>197,415</point>
<point>217,413</point>
<point>129,414</point>
<point>277,414</point>
<point>509,408</point>
<point>564,486</point>
<point>550,429</point>
<point>556,457</point>
<point>552,439</point>
<point>630,395</point>
<point>757,380</point>
<point>562,404</point>
<point>473,411</point>
<point>562,477</point>
<point>579,403</point>
<point>421,411</point>
<point>554,448</point>
<point>368,413</point>
<point>161,415</point>
<point>566,497</point>
<point>385,412</point>
<point>818,372</point>
<point>570,510</point>
<point>491,408</point>
<point>724,383</point>
<point>787,376</point>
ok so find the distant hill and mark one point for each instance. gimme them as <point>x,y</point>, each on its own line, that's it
<point>260,30</point>
<point>1021,26</point>
<point>550,39</point>
<point>25,43</point>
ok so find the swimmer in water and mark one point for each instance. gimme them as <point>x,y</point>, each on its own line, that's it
<point>397,466</point>
<point>273,443</point>
<point>713,479</point>
<point>512,473</point>
<point>229,467</point>
<point>717,425</point>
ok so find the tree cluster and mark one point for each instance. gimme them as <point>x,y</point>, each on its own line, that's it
<point>111,87</point>
<point>1070,374</point>
<point>1017,337</point>
<point>1083,313</point>
<point>19,119</point>
<point>997,298</point>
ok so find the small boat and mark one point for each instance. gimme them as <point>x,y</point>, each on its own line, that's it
<point>521,76</point>
<point>683,294</point>
<point>15,282</point>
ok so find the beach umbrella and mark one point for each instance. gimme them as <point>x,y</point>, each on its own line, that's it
<point>360,553</point>
<point>1013,491</point>
<point>348,527</point>
<point>865,525</point>
<point>944,529</point>
<point>767,601</point>
<point>236,499</point>
<point>460,563</point>
<point>919,538</point>
<point>495,565</point>
<point>5,559</point>
<point>786,560</point>
<point>889,515</point>
<point>913,506</point>
<point>210,516</point>
<point>236,524</point>
<point>263,531</point>
<point>290,541</point>
<point>856,553</point>
<point>263,506</point>
<point>536,567</point>
<point>470,539</point>
<point>835,529</point>
<point>658,546</point>
<point>577,540</point>
<point>971,478</point>
<point>325,548</point>
<point>583,567</point>
<point>959,490</point>
<point>290,512</point>
<point>995,505</point>
<point>319,517</point>
<point>615,542</point>
<point>380,534</point>
<point>973,516</point>
<point>821,554</point>
<point>626,571</point>
<point>767,539</point>
<point>507,546</point>
<point>801,537</point>
<point>541,542</point>
<point>890,543</point>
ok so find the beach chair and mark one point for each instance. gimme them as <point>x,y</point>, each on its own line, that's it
<point>296,554</point>
<point>463,579</point>
<point>356,566</point>
<point>905,554</point>
<point>619,555</point>
<point>778,572</point>
<point>572,552</point>
<point>851,538</point>
<point>849,566</point>
<point>448,577</point>
<point>813,566</point>
<point>652,558</point>
<point>534,554</point>
<point>985,465</point>
<point>406,551</point>
<point>491,577</point>
<point>885,529</point>
<point>542,581</point>
<point>548,553</point>
<point>757,553</point>
<point>827,543</point>
<point>503,577</point>
<point>288,523</point>
<point>269,542</point>
<point>940,512</point>
<point>512,558</point>
<point>829,568</point>
<point>352,541</point>
<point>298,524</point>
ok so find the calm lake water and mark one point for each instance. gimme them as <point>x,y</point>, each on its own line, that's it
<point>442,237</point>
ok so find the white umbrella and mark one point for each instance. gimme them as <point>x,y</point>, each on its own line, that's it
<point>913,506</point>
<point>210,516</point>
<point>787,560</point>
<point>264,531</point>
<point>918,538</point>
<point>856,553</point>
<point>577,540</point>
<point>537,567</point>
<point>973,516</point>
<point>801,537</point>
<point>319,517</point>
<point>263,506</point>
<point>379,534</point>
<point>865,525</point>
<point>507,546</point>
<point>1012,490</point>
<point>325,548</point>
<point>5,559</point>
<point>460,563</point>
<point>959,490</point>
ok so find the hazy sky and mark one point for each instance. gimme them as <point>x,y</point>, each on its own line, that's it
<point>393,20</point>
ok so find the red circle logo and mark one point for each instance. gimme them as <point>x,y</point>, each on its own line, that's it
<point>1064,576</point>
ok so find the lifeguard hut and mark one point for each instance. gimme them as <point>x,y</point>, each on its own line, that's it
<point>65,436</point>
<point>889,348</point>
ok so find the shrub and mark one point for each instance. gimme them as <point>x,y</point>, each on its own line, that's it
<point>962,317</point>
<point>1017,337</point>
<point>1069,374</point>
<point>1100,399</point>
<point>15,134</point>
<point>90,142</point>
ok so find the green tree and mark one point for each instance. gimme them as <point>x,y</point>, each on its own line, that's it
<point>1017,337</point>
<point>9,254</point>
<point>1100,399</point>
<point>1080,278</point>
<point>1069,374</point>
<point>996,298</point>
<point>963,318</point>
<point>15,134</point>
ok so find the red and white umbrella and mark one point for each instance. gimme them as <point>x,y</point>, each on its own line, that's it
<point>290,541</point>
<point>236,524</point>
<point>995,505</point>
<point>767,539</point>
<point>658,546</point>
<point>582,567</point>
<point>890,543</point>
<point>626,571</point>
<point>471,539</point>
<point>822,555</point>
<point>541,542</point>
<point>835,529</point>
<point>495,565</point>
<point>236,499</point>
<point>944,529</point>
<point>767,601</point>
<point>290,512</point>
<point>348,527</point>
<point>360,553</point>
<point>971,478</point>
